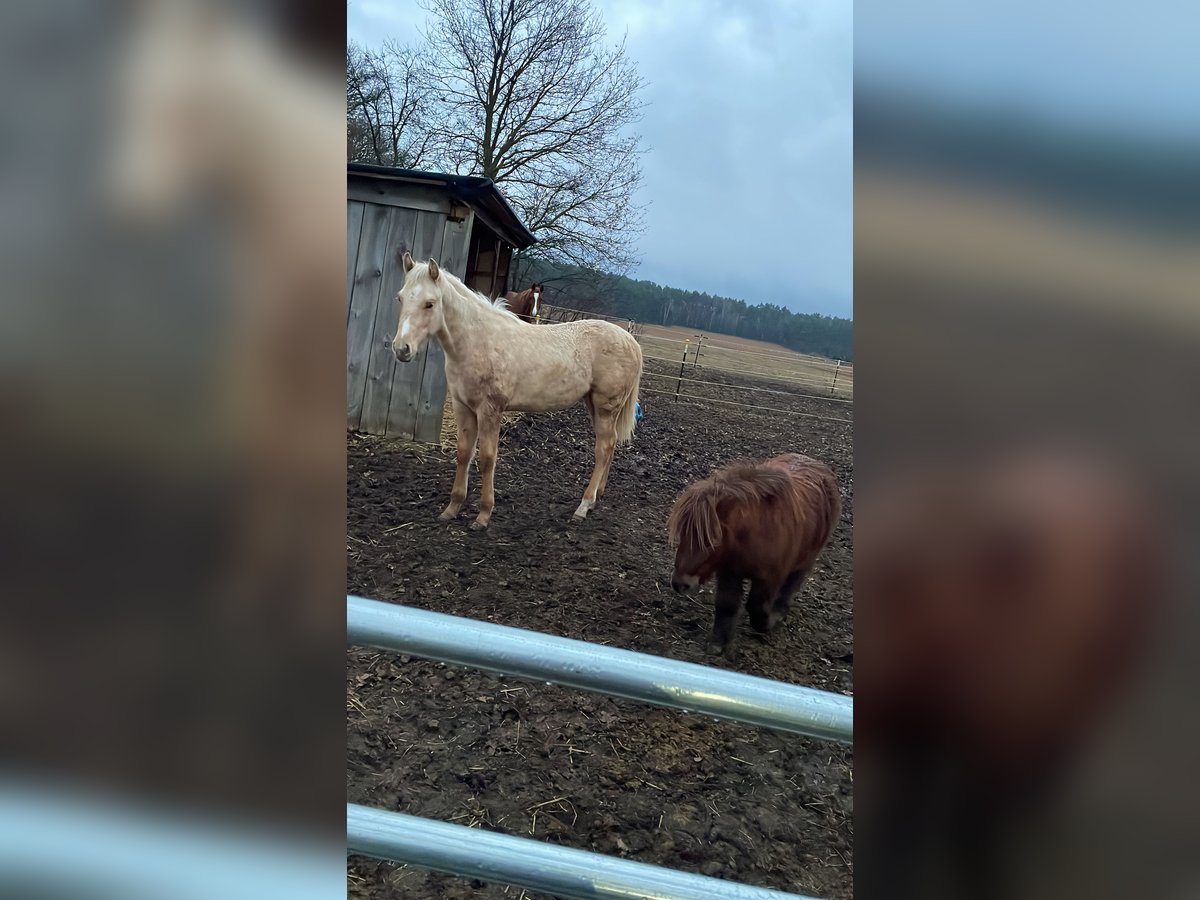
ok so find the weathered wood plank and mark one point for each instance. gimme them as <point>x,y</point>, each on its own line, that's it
<point>406,379</point>
<point>382,362</point>
<point>432,398</point>
<point>364,293</point>
<point>502,269</point>
<point>429,236</point>
<point>405,194</point>
<point>354,220</point>
<point>455,244</point>
<point>431,402</point>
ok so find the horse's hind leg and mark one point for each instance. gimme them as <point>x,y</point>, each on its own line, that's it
<point>759,604</point>
<point>791,587</point>
<point>468,428</point>
<point>606,442</point>
<point>608,458</point>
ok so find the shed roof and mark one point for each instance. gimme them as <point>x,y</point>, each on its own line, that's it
<point>480,194</point>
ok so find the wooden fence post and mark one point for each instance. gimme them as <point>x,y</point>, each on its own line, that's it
<point>682,364</point>
<point>696,358</point>
<point>833,384</point>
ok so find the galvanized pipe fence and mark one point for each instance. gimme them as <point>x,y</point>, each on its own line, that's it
<point>533,865</point>
<point>608,670</point>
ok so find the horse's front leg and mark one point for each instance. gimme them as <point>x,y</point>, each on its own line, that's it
<point>489,446</point>
<point>728,603</point>
<point>468,428</point>
<point>606,443</point>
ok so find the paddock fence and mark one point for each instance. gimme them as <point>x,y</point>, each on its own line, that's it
<point>701,355</point>
<point>530,864</point>
<point>548,312</point>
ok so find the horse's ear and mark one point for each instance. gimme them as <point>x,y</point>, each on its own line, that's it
<point>433,268</point>
<point>407,261</point>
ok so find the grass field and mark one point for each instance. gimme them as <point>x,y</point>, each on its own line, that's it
<point>801,372</point>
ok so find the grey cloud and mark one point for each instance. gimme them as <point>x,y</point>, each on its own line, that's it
<point>749,176</point>
<point>748,179</point>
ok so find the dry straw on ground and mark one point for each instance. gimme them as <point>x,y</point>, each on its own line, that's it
<point>449,433</point>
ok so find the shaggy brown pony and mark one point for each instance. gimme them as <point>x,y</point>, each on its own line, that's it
<point>766,522</point>
<point>1003,605</point>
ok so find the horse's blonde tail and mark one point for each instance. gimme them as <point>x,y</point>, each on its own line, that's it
<point>627,417</point>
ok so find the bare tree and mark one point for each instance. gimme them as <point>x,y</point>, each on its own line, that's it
<point>386,96</point>
<point>526,93</point>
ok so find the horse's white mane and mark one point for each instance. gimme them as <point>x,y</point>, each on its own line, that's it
<point>499,305</point>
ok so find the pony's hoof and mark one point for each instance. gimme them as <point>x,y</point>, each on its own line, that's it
<point>446,516</point>
<point>478,526</point>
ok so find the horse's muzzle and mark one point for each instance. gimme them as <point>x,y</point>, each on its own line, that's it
<point>404,353</point>
<point>684,584</point>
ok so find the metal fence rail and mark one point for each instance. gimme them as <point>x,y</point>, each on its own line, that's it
<point>534,865</point>
<point>561,871</point>
<point>608,670</point>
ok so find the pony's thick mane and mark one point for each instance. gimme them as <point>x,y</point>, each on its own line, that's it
<point>750,482</point>
<point>695,519</point>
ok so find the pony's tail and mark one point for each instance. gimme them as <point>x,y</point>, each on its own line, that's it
<point>627,417</point>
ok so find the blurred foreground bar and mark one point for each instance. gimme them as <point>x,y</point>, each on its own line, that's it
<point>56,843</point>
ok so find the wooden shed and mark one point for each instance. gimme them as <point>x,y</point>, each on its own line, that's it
<point>463,222</point>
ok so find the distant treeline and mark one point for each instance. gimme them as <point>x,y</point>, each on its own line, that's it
<point>645,301</point>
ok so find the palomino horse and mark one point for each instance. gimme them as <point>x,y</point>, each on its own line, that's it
<point>766,522</point>
<point>188,135</point>
<point>525,303</point>
<point>217,115</point>
<point>496,362</point>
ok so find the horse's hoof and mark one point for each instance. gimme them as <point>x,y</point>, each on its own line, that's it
<point>478,526</point>
<point>446,516</point>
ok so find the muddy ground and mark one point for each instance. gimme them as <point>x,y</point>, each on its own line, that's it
<point>579,769</point>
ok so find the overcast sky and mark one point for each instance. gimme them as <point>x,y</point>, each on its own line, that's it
<point>748,176</point>
<point>1123,65</point>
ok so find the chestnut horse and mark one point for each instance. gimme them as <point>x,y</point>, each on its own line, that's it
<point>766,522</point>
<point>495,362</point>
<point>526,303</point>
